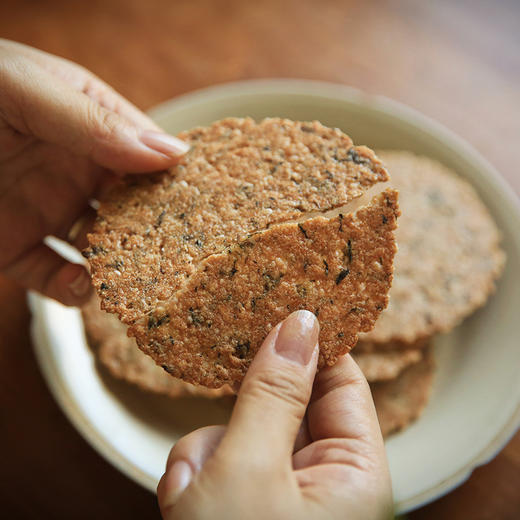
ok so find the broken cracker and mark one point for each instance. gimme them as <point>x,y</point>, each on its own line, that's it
<point>247,200</point>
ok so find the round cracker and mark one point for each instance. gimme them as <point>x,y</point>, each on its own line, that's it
<point>400,401</point>
<point>449,255</point>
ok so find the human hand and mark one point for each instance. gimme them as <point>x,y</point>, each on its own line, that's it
<point>64,137</point>
<point>285,453</point>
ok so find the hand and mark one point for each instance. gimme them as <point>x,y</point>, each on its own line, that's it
<point>64,135</point>
<point>285,453</point>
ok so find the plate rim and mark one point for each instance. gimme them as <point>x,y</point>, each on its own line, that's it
<point>392,108</point>
<point>58,389</point>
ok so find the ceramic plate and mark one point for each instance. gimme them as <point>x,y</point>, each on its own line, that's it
<point>475,405</point>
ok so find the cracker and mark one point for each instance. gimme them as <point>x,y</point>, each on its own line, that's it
<point>340,268</point>
<point>238,177</point>
<point>365,346</point>
<point>387,364</point>
<point>120,355</point>
<point>400,401</point>
<point>449,254</point>
<point>245,193</point>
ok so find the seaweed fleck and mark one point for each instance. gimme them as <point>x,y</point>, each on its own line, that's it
<point>353,155</point>
<point>301,290</point>
<point>160,219</point>
<point>326,267</point>
<point>234,269</point>
<point>349,251</point>
<point>270,281</point>
<point>242,349</point>
<point>341,276</point>
<point>196,317</point>
<point>118,264</point>
<point>93,251</point>
<point>154,321</point>
<point>302,229</point>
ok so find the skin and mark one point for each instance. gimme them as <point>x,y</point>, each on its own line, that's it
<point>299,444</point>
<point>64,135</point>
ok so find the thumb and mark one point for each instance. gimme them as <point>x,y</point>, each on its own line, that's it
<point>44,106</point>
<point>275,392</point>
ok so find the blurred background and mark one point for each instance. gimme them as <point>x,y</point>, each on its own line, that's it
<point>455,61</point>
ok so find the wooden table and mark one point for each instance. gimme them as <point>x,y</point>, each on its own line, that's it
<point>458,62</point>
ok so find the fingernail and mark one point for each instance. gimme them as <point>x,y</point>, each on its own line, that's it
<point>179,479</point>
<point>298,337</point>
<point>164,143</point>
<point>81,285</point>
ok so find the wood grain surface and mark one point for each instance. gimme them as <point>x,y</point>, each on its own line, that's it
<point>456,61</point>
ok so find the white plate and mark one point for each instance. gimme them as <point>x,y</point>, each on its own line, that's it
<point>475,406</point>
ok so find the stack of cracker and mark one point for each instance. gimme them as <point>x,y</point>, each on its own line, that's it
<point>169,257</point>
<point>448,260</point>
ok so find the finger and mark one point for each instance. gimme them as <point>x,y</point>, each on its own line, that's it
<point>303,437</point>
<point>46,107</point>
<point>83,80</point>
<point>341,417</point>
<point>43,270</point>
<point>196,447</point>
<point>341,403</point>
<point>77,235</point>
<point>275,392</point>
<point>347,458</point>
<point>186,459</point>
<point>107,97</point>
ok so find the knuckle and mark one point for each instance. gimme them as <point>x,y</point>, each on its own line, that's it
<point>350,452</point>
<point>283,386</point>
<point>105,124</point>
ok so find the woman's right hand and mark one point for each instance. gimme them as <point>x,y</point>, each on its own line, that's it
<point>291,450</point>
